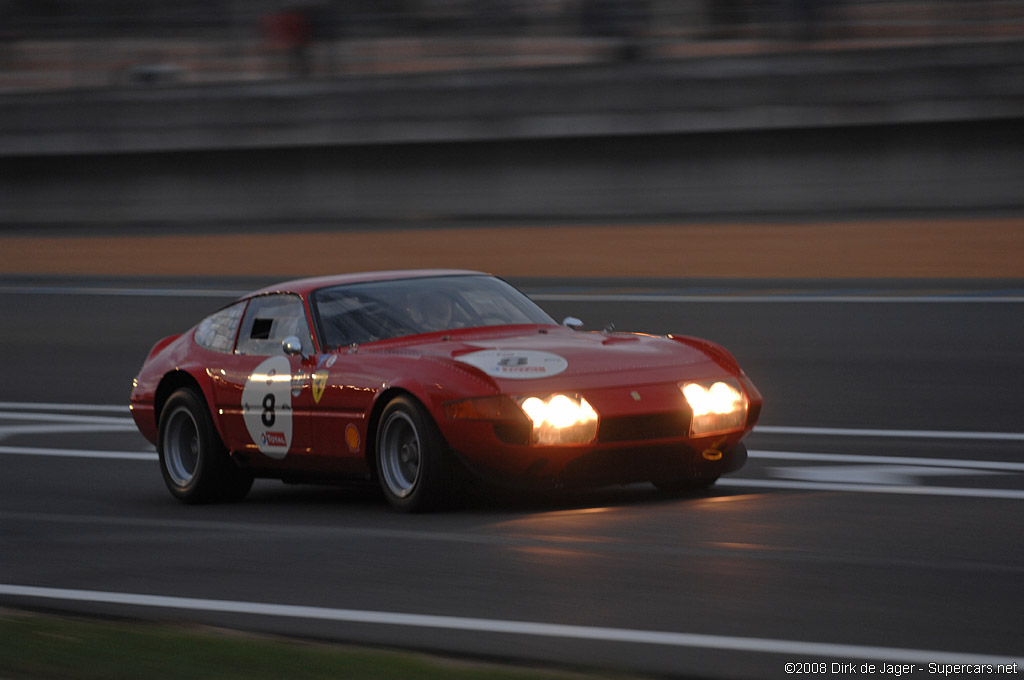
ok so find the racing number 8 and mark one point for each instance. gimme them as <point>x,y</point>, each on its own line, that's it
<point>268,410</point>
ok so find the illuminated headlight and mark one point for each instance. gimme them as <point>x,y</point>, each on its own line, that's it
<point>717,405</point>
<point>560,419</point>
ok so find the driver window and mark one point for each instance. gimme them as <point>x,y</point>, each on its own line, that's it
<point>269,320</point>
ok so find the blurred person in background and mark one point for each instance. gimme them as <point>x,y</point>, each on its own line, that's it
<point>289,33</point>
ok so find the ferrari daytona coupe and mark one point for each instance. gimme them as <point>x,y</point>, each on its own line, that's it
<point>416,378</point>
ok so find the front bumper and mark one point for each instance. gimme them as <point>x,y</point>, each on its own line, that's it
<point>644,434</point>
<point>659,464</point>
<point>603,463</point>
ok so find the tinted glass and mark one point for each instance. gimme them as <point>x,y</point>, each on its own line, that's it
<point>366,312</point>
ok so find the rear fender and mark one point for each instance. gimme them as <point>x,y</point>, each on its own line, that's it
<point>179,379</point>
<point>161,345</point>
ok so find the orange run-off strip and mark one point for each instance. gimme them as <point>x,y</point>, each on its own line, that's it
<point>950,248</point>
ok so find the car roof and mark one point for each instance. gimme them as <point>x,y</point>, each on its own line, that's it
<point>305,286</point>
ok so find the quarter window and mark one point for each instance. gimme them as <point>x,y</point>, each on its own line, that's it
<point>269,320</point>
<point>217,331</point>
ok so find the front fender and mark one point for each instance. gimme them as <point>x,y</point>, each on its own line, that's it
<point>720,355</point>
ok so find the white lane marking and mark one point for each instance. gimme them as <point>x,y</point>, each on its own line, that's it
<point>40,406</point>
<point>11,430</point>
<point>505,627</point>
<point>64,418</point>
<point>778,298</point>
<point>904,434</point>
<point>877,474</point>
<point>77,453</point>
<point>870,474</point>
<point>956,492</point>
<point>893,460</point>
<point>63,422</point>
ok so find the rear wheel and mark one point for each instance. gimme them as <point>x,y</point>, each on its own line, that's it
<point>195,465</point>
<point>413,463</point>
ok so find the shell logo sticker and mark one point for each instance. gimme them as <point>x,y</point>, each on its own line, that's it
<point>516,364</point>
<point>267,407</point>
<point>352,438</point>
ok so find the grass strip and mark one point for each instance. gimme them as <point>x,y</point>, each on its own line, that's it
<point>46,647</point>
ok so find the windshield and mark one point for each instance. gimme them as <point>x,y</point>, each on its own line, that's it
<point>365,312</point>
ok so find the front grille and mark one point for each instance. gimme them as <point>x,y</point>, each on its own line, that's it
<point>513,433</point>
<point>644,427</point>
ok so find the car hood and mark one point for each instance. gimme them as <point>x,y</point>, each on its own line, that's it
<point>559,358</point>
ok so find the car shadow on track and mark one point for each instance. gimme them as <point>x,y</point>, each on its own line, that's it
<point>368,497</point>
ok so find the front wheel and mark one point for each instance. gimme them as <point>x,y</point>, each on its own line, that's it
<point>412,459</point>
<point>195,465</point>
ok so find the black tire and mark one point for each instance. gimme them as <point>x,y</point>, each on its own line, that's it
<point>678,486</point>
<point>195,464</point>
<point>413,464</point>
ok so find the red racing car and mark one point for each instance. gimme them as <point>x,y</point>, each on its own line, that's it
<point>415,377</point>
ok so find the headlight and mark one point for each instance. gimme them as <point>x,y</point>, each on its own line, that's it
<point>717,405</point>
<point>560,419</point>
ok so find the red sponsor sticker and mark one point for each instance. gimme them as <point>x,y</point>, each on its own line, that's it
<point>276,439</point>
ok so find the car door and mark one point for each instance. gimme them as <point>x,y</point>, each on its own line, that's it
<point>263,394</point>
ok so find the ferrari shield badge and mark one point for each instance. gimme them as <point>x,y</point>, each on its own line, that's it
<point>319,384</point>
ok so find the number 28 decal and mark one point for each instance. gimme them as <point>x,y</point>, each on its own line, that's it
<point>267,407</point>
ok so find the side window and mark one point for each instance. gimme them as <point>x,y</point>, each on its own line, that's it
<point>217,331</point>
<point>269,320</point>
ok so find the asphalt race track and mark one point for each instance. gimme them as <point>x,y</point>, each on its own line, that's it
<point>878,522</point>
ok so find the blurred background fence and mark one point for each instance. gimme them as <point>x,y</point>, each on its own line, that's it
<point>96,43</point>
<point>795,108</point>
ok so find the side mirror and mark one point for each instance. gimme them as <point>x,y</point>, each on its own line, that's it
<point>292,346</point>
<point>572,322</point>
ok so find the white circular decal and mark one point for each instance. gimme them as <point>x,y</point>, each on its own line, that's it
<point>267,406</point>
<point>519,364</point>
